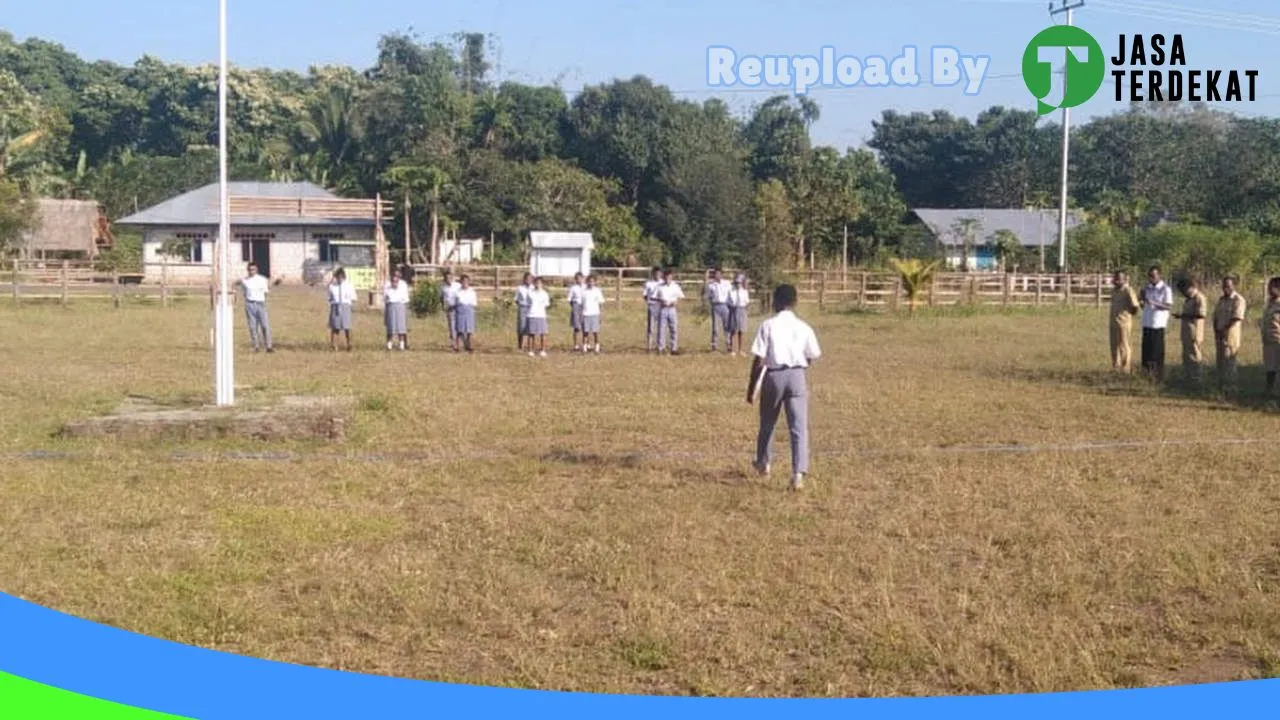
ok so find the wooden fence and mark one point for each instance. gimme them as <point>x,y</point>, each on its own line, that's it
<point>64,280</point>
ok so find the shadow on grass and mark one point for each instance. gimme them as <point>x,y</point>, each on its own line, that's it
<point>691,467</point>
<point>1249,393</point>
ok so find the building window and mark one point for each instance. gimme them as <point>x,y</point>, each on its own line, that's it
<point>187,247</point>
<point>328,253</point>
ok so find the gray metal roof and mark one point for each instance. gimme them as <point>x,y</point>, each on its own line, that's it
<point>200,206</point>
<point>1034,228</point>
<point>575,240</point>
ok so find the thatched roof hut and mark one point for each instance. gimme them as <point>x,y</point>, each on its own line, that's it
<point>63,226</point>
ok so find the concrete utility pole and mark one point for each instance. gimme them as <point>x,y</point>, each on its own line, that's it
<point>223,348</point>
<point>1068,8</point>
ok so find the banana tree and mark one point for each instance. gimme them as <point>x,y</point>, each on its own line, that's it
<point>916,276</point>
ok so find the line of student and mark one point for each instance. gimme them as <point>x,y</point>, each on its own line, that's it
<point>1156,305</point>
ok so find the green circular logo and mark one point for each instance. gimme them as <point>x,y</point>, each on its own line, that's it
<point>1084,67</point>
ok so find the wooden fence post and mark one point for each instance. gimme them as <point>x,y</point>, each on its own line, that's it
<point>62,277</point>
<point>618,289</point>
<point>15,281</point>
<point>115,290</point>
<point>1098,296</point>
<point>822,290</point>
<point>1008,288</point>
<point>164,284</point>
<point>1066,289</point>
<point>1039,288</point>
<point>862,291</point>
<point>497,281</point>
<point>973,290</point>
<point>897,291</point>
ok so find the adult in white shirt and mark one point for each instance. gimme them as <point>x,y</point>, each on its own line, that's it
<point>466,318</point>
<point>668,294</point>
<point>592,305</point>
<point>522,310</point>
<point>539,301</point>
<point>575,308</point>
<point>342,295</point>
<point>653,309</point>
<point>739,301</point>
<point>1156,301</point>
<point>718,297</point>
<point>256,288</point>
<point>783,348</point>
<point>396,312</point>
<point>449,299</point>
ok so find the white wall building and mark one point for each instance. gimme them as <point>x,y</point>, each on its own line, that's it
<point>179,236</point>
<point>560,254</point>
<point>462,250</point>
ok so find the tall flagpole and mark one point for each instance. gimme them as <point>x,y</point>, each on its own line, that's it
<point>224,385</point>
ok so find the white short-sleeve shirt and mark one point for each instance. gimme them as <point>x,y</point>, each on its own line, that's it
<point>669,293</point>
<point>651,289</point>
<point>575,293</point>
<point>343,293</point>
<point>449,294</point>
<point>1160,294</point>
<point>256,288</point>
<point>467,296</point>
<point>398,292</point>
<point>718,292</point>
<point>592,301</point>
<point>785,340</point>
<point>539,301</point>
<point>739,297</point>
<point>522,295</point>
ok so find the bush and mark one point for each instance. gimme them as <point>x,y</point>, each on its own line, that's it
<point>426,298</point>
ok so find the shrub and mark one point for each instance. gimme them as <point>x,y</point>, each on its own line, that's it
<point>426,298</point>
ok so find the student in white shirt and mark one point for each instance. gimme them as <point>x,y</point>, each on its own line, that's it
<point>522,310</point>
<point>739,301</point>
<point>449,299</point>
<point>1156,301</point>
<point>653,309</point>
<point>718,297</point>
<point>783,348</point>
<point>668,294</point>
<point>466,317</point>
<point>342,295</point>
<point>396,313</point>
<point>256,288</point>
<point>539,301</point>
<point>592,304</point>
<point>575,309</point>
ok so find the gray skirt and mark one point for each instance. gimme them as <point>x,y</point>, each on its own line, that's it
<point>465,320</point>
<point>522,321</point>
<point>591,323</point>
<point>339,317</point>
<point>737,320</point>
<point>575,317</point>
<point>536,326</point>
<point>396,316</point>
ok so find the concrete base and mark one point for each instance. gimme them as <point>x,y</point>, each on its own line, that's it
<point>288,418</point>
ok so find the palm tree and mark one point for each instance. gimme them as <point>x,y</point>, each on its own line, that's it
<point>1007,245</point>
<point>917,276</point>
<point>332,124</point>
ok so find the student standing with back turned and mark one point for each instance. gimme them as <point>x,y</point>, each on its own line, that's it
<point>783,348</point>
<point>718,296</point>
<point>653,309</point>
<point>1124,305</point>
<point>1194,312</point>
<point>1271,333</point>
<point>1157,301</point>
<point>575,310</point>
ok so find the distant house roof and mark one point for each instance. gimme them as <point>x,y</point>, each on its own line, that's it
<point>200,206</point>
<point>574,240</point>
<point>1034,228</point>
<point>64,225</point>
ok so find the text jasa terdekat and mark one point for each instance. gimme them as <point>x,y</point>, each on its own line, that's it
<point>1141,74</point>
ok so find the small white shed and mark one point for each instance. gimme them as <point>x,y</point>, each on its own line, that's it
<point>560,254</point>
<point>463,250</point>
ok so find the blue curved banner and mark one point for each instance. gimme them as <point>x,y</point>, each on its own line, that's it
<point>55,650</point>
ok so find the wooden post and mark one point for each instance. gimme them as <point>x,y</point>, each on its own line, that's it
<point>897,291</point>
<point>844,259</point>
<point>15,281</point>
<point>618,288</point>
<point>164,282</point>
<point>1008,288</point>
<point>1097,301</point>
<point>1039,286</point>
<point>822,290</point>
<point>62,276</point>
<point>115,290</point>
<point>973,290</point>
<point>497,281</point>
<point>862,291</point>
<point>1066,289</point>
<point>933,282</point>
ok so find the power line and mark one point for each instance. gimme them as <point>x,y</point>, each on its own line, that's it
<point>1118,9</point>
<point>1232,17</point>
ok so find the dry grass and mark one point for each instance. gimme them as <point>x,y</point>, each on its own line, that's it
<point>589,523</point>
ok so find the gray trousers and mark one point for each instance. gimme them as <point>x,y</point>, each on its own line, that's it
<point>784,389</point>
<point>653,310</point>
<point>451,316</point>
<point>668,329</point>
<point>256,312</point>
<point>719,322</point>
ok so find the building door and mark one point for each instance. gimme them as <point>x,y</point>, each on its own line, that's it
<point>260,255</point>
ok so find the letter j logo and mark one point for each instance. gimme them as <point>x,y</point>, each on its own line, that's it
<point>1082,61</point>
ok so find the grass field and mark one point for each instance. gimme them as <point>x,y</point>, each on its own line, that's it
<point>990,511</point>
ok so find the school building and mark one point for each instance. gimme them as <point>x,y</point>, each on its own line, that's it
<point>1036,230</point>
<point>291,239</point>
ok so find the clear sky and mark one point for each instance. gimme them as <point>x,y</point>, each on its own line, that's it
<point>579,42</point>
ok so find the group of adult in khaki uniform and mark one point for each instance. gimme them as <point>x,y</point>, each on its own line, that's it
<point>1155,303</point>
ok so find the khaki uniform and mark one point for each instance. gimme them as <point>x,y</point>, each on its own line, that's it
<point>1227,341</point>
<point>1271,336</point>
<point>1124,305</point>
<point>1194,311</point>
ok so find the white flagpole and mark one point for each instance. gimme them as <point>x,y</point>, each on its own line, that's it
<point>224,385</point>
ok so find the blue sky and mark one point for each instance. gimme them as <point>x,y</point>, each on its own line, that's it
<point>579,42</point>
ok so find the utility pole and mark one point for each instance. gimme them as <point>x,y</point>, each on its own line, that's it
<point>1068,8</point>
<point>224,375</point>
